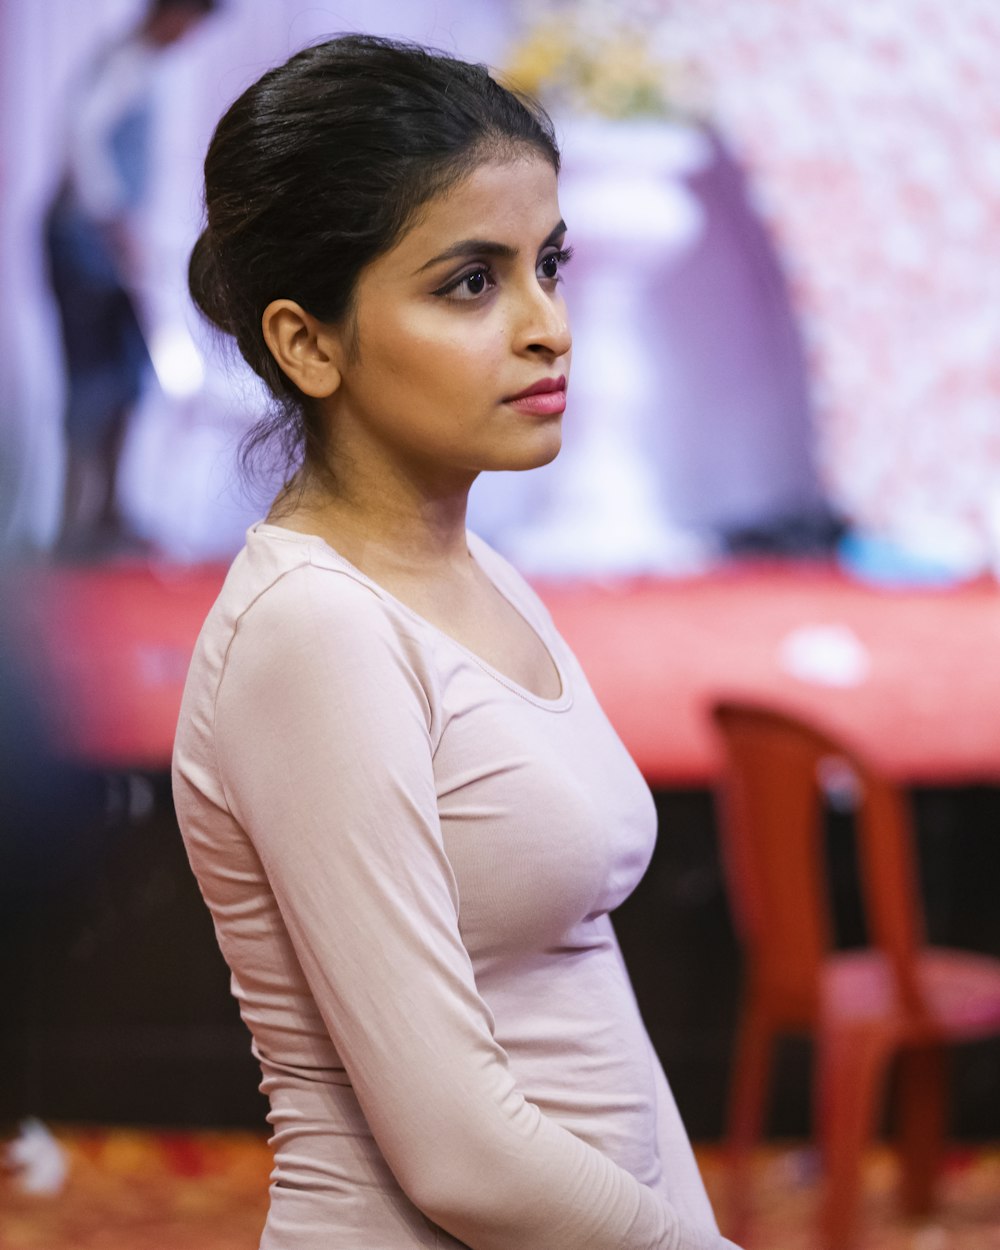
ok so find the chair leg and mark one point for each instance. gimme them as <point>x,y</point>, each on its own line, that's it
<point>747,1103</point>
<point>922,1123</point>
<point>850,1080</point>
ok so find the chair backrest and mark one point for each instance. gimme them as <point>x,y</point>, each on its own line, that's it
<point>771,820</point>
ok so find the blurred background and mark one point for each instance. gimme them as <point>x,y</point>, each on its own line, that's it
<point>780,484</point>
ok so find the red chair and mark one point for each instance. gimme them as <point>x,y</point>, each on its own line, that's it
<point>897,999</point>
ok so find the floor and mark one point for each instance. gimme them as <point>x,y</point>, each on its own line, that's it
<point>128,1190</point>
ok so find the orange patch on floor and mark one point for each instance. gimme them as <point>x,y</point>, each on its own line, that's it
<point>134,1190</point>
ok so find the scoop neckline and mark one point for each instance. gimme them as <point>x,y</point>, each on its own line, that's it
<point>563,700</point>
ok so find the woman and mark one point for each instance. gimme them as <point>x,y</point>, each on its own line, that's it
<point>405,809</point>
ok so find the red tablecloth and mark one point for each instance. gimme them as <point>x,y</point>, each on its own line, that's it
<point>109,648</point>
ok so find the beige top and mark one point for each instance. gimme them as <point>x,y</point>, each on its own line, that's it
<point>410,862</point>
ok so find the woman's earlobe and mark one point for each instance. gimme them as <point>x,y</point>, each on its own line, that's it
<point>306,350</point>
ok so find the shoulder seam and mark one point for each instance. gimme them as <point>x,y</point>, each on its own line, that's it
<point>305,564</point>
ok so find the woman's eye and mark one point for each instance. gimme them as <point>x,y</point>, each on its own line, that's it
<point>469,286</point>
<point>550,265</point>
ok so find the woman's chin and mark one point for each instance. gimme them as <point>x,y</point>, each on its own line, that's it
<point>533,454</point>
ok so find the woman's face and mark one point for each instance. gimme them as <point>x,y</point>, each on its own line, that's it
<point>465,313</point>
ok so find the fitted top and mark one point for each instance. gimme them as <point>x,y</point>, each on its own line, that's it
<point>410,860</point>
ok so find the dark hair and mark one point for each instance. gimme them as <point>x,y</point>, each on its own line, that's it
<point>316,170</point>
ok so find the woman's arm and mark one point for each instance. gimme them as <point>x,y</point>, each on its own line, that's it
<point>323,733</point>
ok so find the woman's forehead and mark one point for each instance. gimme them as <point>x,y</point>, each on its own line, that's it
<point>509,202</point>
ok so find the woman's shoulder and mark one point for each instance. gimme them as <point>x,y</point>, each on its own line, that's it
<point>294,620</point>
<point>284,592</point>
<point>289,584</point>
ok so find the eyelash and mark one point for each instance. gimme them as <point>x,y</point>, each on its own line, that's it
<point>561,256</point>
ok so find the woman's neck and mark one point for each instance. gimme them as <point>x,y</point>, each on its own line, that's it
<point>389,529</point>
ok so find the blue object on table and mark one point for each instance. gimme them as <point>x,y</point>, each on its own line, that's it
<point>884,563</point>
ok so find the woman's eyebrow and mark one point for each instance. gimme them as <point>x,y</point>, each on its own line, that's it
<point>487,247</point>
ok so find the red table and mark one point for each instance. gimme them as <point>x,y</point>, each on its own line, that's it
<point>109,648</point>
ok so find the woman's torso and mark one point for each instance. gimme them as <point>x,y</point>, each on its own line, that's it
<point>545,825</point>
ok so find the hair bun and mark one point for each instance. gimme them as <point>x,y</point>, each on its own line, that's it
<point>205,282</point>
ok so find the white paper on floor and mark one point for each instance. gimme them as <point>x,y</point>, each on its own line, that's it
<point>38,1162</point>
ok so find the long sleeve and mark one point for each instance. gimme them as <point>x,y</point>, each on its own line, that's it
<point>324,733</point>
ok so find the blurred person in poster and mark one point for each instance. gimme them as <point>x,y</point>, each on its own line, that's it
<point>92,247</point>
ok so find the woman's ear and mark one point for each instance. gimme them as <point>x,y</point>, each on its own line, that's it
<point>307,350</point>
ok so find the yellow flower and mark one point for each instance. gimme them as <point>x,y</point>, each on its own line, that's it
<point>614,75</point>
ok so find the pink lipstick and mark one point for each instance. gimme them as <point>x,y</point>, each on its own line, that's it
<point>546,398</point>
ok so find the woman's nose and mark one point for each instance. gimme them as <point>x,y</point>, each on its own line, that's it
<point>545,324</point>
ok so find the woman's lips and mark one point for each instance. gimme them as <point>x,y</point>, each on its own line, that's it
<point>546,398</point>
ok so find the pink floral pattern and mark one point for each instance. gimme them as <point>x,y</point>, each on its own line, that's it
<point>872,134</point>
